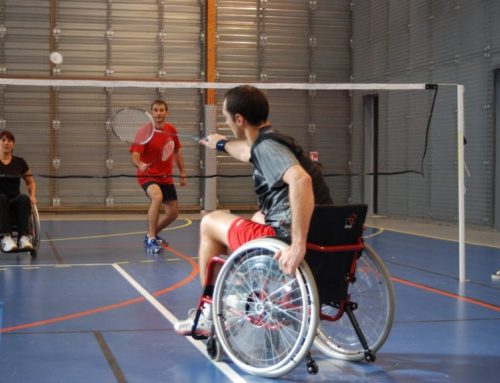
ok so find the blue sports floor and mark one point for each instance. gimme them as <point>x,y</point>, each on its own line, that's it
<point>94,307</point>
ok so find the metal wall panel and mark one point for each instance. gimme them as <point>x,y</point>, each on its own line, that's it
<point>274,40</point>
<point>444,42</point>
<point>25,37</point>
<point>289,41</point>
<point>98,39</point>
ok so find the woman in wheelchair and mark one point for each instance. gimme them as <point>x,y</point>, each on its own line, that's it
<point>15,208</point>
<point>287,183</point>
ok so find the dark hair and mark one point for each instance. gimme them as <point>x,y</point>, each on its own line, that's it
<point>9,135</point>
<point>160,102</point>
<point>248,101</point>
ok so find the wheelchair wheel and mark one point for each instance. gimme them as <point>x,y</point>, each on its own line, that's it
<point>265,320</point>
<point>34,223</point>
<point>374,295</point>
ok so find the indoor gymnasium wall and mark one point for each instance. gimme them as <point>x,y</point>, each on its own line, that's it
<point>431,42</point>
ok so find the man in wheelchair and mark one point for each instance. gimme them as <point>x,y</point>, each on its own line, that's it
<point>287,183</point>
<point>15,208</point>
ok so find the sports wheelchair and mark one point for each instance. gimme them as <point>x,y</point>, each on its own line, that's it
<point>341,299</point>
<point>34,228</point>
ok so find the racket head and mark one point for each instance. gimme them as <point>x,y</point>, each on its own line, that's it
<point>133,125</point>
<point>168,149</point>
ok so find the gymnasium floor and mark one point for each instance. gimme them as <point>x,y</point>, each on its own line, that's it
<point>78,312</point>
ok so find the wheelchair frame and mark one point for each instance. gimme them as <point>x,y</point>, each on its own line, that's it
<point>34,224</point>
<point>269,328</point>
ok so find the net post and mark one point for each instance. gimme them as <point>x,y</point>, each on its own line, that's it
<point>210,162</point>
<point>461,183</point>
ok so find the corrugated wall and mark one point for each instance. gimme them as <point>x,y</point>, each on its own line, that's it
<point>63,130</point>
<point>289,41</point>
<point>430,42</point>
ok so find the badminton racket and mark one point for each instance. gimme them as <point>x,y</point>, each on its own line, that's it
<point>137,126</point>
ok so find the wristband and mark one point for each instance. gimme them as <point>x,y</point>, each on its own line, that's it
<point>221,145</point>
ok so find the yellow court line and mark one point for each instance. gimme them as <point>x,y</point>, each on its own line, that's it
<point>188,223</point>
<point>432,237</point>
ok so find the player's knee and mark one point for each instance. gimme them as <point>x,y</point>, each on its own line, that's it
<point>156,196</point>
<point>206,223</point>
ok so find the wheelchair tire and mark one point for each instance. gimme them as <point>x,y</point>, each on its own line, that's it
<point>35,230</point>
<point>265,320</point>
<point>374,295</point>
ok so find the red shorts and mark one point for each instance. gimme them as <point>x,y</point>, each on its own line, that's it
<point>244,230</point>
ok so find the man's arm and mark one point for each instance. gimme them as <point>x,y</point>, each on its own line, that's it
<point>136,160</point>
<point>180,164</point>
<point>301,198</point>
<point>238,149</point>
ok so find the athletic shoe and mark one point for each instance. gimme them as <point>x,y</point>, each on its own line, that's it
<point>152,246</point>
<point>185,327</point>
<point>25,243</point>
<point>160,240</point>
<point>8,243</point>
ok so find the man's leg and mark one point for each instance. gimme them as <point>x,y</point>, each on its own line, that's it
<point>213,241</point>
<point>156,196</point>
<point>22,205</point>
<point>213,237</point>
<point>171,209</point>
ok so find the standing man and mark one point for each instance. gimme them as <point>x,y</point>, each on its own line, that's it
<point>287,183</point>
<point>14,206</point>
<point>154,174</point>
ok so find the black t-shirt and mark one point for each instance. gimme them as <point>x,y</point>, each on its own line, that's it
<point>10,176</point>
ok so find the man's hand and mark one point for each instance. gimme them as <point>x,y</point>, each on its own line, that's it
<point>290,258</point>
<point>211,140</point>
<point>182,179</point>
<point>142,166</point>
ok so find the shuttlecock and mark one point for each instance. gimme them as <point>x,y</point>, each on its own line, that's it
<point>56,58</point>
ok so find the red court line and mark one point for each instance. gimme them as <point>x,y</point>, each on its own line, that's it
<point>447,294</point>
<point>96,310</point>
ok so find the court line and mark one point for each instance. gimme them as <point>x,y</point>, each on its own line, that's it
<point>446,294</point>
<point>127,302</point>
<point>224,367</point>
<point>417,234</point>
<point>110,358</point>
<point>53,247</point>
<point>379,232</point>
<point>188,223</point>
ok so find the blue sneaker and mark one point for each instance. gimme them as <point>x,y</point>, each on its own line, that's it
<point>159,239</point>
<point>152,246</point>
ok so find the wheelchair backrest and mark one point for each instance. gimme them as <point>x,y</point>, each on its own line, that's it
<point>330,226</point>
<point>337,225</point>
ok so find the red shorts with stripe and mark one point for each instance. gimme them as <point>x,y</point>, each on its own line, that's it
<point>244,230</point>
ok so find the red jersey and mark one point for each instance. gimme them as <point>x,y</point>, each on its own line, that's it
<point>159,153</point>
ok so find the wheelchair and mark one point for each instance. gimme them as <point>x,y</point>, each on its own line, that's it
<point>341,299</point>
<point>34,228</point>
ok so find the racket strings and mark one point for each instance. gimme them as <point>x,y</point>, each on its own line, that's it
<point>133,126</point>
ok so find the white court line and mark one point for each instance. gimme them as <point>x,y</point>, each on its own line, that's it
<point>228,371</point>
